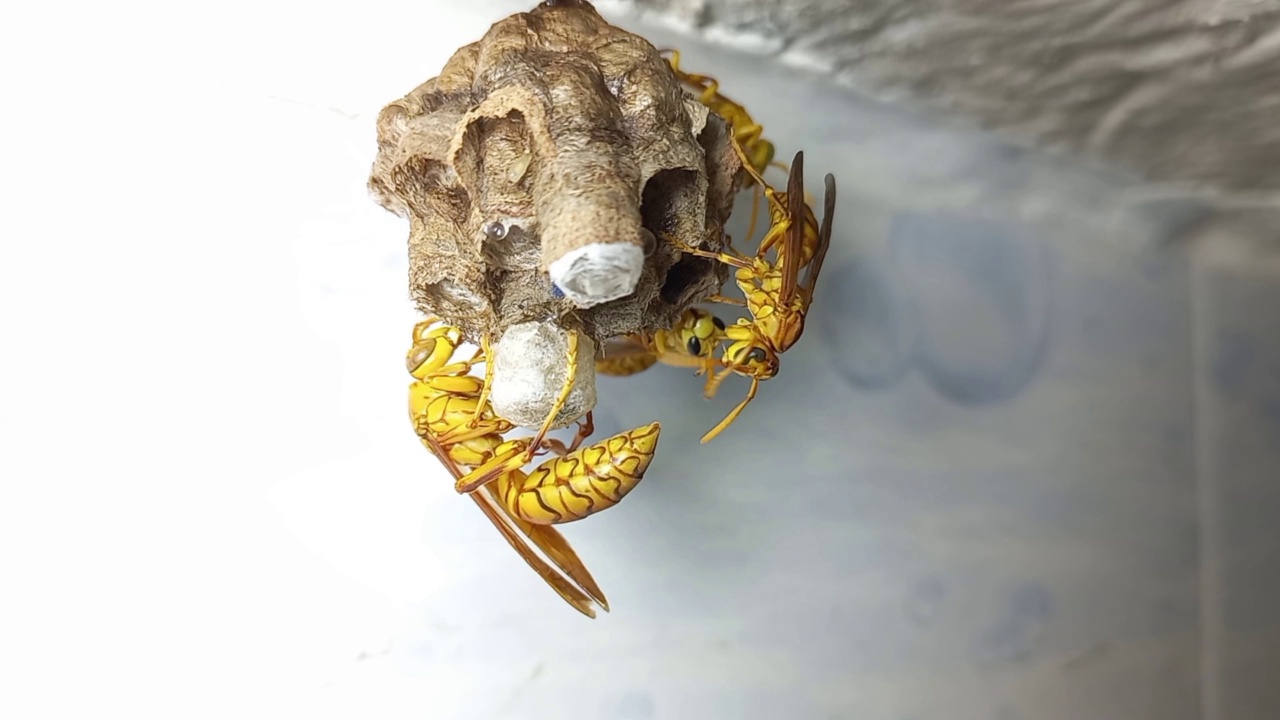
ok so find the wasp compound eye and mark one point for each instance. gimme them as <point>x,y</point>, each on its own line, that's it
<point>694,346</point>
<point>718,322</point>
<point>757,354</point>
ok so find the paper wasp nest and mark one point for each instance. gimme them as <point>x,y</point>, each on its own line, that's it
<point>555,137</point>
<point>558,146</point>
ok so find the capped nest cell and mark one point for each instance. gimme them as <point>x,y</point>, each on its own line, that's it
<point>557,148</point>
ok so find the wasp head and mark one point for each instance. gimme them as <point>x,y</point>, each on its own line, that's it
<point>750,354</point>
<point>700,332</point>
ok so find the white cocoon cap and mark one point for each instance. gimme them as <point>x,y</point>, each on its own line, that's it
<point>530,365</point>
<point>597,273</point>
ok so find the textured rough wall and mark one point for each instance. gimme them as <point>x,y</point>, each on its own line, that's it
<point>1184,91</point>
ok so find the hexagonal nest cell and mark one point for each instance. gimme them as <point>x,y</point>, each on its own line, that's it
<point>555,132</point>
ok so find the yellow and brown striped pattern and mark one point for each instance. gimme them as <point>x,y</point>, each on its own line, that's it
<point>454,420</point>
<point>585,481</point>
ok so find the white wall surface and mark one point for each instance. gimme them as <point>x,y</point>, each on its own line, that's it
<point>1023,465</point>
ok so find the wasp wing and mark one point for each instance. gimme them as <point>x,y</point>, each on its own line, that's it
<point>554,546</point>
<point>793,245</point>
<point>550,541</point>
<point>624,356</point>
<point>571,593</point>
<point>824,237</point>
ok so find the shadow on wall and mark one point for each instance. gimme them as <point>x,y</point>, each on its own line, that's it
<point>964,302</point>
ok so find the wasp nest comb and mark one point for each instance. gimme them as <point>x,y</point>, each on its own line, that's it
<point>541,174</point>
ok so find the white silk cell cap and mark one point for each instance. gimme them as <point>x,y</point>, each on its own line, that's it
<point>598,273</point>
<point>530,366</point>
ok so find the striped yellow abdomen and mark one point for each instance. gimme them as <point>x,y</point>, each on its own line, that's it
<point>586,481</point>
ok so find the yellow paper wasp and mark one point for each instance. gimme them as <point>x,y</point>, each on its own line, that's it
<point>775,297</point>
<point>455,423</point>
<point>693,342</point>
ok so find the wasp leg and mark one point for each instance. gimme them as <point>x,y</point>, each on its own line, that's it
<point>713,382</point>
<point>511,458</point>
<point>732,252</point>
<point>674,60</point>
<point>571,375</point>
<point>556,447</point>
<point>585,428</point>
<point>751,136</point>
<point>514,457</point>
<point>487,352</point>
<point>733,415</point>
<point>710,89</point>
<point>717,298</point>
<point>457,385</point>
<point>722,257</point>
<point>755,175</point>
